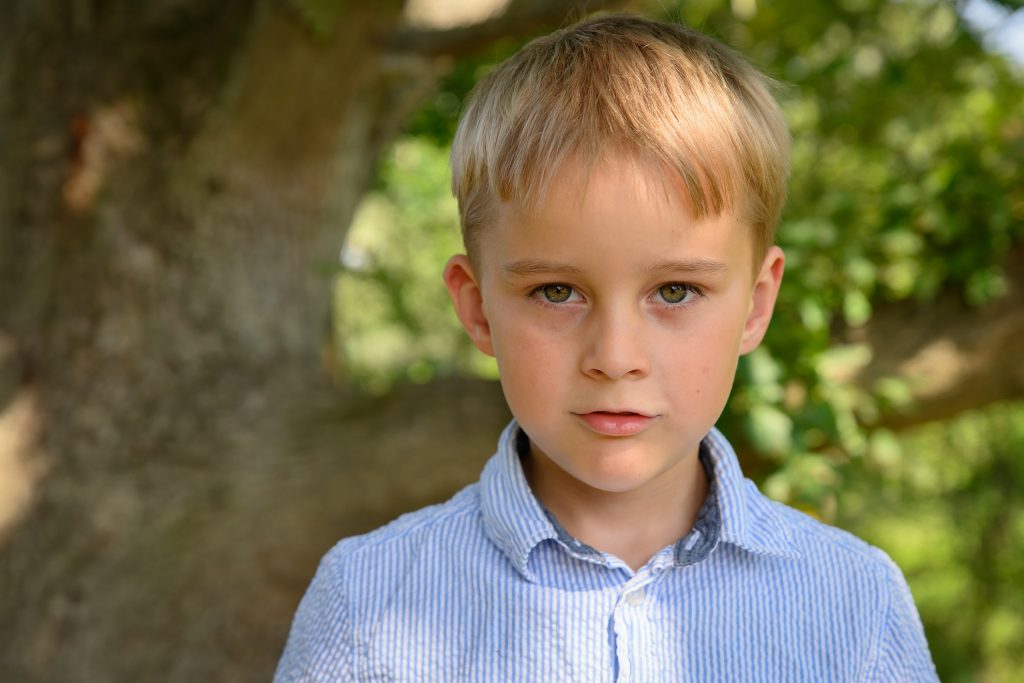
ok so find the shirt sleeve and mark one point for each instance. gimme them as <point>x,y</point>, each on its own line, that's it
<point>903,650</point>
<point>320,644</point>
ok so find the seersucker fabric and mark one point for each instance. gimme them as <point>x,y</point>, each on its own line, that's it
<point>488,587</point>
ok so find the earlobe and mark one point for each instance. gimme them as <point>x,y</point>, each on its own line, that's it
<point>467,299</point>
<point>762,299</point>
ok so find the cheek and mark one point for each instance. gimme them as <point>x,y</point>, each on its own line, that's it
<point>532,374</point>
<point>526,356</point>
<point>702,363</point>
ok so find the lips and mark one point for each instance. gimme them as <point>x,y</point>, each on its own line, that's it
<point>616,423</point>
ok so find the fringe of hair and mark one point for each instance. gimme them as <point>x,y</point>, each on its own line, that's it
<point>623,84</point>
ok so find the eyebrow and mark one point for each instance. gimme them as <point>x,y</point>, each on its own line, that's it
<point>526,267</point>
<point>698,266</point>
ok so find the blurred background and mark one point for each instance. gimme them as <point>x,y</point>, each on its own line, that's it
<point>225,343</point>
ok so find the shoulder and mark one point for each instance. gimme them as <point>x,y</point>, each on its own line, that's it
<point>358,578</point>
<point>407,532</point>
<point>852,594</point>
<point>418,551</point>
<point>832,555</point>
<point>859,582</point>
<point>418,555</point>
<point>873,587</point>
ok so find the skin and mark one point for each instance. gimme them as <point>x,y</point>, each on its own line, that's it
<point>617,321</point>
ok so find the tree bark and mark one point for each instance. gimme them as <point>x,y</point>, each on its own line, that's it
<point>177,179</point>
<point>951,357</point>
<point>171,176</point>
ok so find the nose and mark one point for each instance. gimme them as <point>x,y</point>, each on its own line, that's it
<point>615,346</point>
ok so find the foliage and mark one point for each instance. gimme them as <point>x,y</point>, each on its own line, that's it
<point>321,17</point>
<point>438,119</point>
<point>392,314</point>
<point>392,310</point>
<point>943,500</point>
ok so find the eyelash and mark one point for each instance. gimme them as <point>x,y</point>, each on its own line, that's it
<point>537,294</point>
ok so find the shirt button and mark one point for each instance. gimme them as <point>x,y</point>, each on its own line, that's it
<point>635,598</point>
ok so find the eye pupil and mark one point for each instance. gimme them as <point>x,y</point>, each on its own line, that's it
<point>673,294</point>
<point>557,293</point>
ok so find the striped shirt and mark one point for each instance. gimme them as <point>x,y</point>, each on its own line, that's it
<point>488,587</point>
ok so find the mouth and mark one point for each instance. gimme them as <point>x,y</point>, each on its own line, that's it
<point>616,422</point>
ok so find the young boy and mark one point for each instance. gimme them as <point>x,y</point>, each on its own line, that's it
<point>619,183</point>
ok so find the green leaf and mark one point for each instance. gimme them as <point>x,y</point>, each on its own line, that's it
<point>770,430</point>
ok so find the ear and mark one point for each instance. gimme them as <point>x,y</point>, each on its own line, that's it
<point>762,299</point>
<point>468,301</point>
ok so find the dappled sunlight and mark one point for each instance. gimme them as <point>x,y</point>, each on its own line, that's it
<point>22,467</point>
<point>442,14</point>
<point>102,138</point>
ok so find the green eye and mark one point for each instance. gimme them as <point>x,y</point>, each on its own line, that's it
<point>674,293</point>
<point>556,294</point>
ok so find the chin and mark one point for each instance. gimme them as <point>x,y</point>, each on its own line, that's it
<point>616,479</point>
<point>618,487</point>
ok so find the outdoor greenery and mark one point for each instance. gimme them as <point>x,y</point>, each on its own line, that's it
<point>907,181</point>
<point>947,508</point>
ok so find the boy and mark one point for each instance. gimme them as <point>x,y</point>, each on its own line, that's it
<point>619,183</point>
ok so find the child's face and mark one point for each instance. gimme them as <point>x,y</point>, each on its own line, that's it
<point>616,320</point>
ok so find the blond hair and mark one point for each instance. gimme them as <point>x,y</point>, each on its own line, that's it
<point>624,84</point>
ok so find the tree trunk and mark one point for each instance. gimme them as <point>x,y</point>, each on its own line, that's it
<point>177,179</point>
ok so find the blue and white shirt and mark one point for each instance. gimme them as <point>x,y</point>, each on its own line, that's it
<point>488,587</point>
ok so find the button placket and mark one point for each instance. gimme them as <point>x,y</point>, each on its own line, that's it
<point>636,597</point>
<point>631,625</point>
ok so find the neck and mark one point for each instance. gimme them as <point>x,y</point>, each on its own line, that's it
<point>631,525</point>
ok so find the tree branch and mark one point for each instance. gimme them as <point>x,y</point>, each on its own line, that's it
<point>521,18</point>
<point>954,358</point>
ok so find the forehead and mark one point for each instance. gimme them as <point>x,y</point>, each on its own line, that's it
<point>583,184</point>
<point>619,211</point>
<point>613,194</point>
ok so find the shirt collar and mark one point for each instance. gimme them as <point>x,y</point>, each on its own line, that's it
<point>516,522</point>
<point>513,518</point>
<point>749,520</point>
